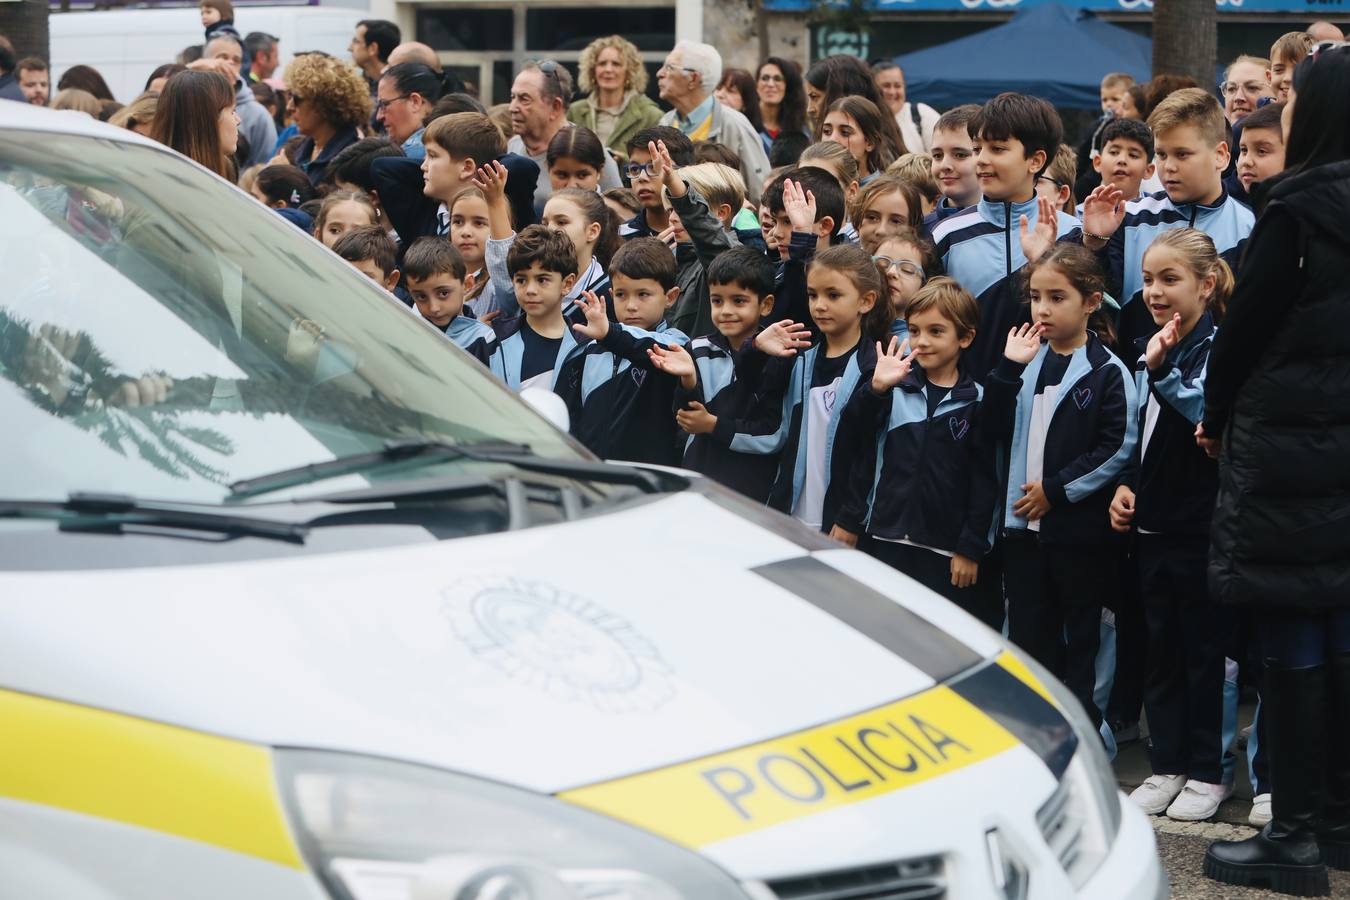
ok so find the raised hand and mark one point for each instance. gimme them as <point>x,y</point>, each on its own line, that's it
<point>1164,340</point>
<point>783,338</point>
<point>491,180</point>
<point>673,360</point>
<point>1103,212</point>
<point>800,207</point>
<point>1036,241</point>
<point>596,325</point>
<point>1122,509</point>
<point>893,364</point>
<point>1024,342</point>
<point>663,169</point>
<point>695,418</point>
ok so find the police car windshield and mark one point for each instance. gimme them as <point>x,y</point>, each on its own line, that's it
<point>164,335</point>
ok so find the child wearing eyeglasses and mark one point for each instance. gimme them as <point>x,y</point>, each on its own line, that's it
<point>906,262</point>
<point>1056,185</point>
<point>643,172</point>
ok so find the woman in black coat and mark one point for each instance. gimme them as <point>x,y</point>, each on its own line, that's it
<point>1277,412</point>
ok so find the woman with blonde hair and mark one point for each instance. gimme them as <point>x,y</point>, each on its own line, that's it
<point>78,100</point>
<point>329,101</point>
<point>138,115</point>
<point>615,107</point>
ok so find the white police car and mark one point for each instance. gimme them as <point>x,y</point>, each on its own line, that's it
<point>296,602</point>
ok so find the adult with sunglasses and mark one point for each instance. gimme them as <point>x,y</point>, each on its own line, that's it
<point>782,99</point>
<point>329,101</point>
<point>1275,414</point>
<point>539,99</point>
<point>687,79</point>
<point>403,101</point>
<point>615,108</point>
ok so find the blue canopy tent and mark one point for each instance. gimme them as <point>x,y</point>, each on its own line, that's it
<point>1047,50</point>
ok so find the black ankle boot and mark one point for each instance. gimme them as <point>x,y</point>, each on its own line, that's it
<point>1285,856</point>
<point>1333,829</point>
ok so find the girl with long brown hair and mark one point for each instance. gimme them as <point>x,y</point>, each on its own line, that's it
<point>195,116</point>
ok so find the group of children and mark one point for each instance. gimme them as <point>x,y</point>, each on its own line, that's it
<point>968,375</point>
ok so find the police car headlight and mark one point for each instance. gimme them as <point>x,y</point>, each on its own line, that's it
<point>1089,775</point>
<point>375,829</point>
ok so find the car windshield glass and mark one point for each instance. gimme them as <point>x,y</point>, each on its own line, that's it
<point>164,335</point>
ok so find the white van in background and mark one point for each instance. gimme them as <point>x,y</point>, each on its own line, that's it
<point>127,45</point>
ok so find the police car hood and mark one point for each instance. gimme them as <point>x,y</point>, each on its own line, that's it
<point>550,658</point>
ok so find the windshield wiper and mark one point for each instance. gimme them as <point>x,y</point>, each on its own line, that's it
<point>427,452</point>
<point>115,513</point>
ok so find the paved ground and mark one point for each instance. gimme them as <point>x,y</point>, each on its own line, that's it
<point>1182,844</point>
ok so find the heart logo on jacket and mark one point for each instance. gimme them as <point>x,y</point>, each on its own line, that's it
<point>1082,397</point>
<point>829,398</point>
<point>959,427</point>
<point>639,375</point>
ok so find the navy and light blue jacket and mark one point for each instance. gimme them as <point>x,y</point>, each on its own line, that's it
<point>1174,482</point>
<point>943,211</point>
<point>1093,430</point>
<point>478,340</point>
<point>511,347</point>
<point>929,480</point>
<point>981,248</point>
<point>1227,223</point>
<point>740,452</point>
<point>789,289</point>
<point>618,401</point>
<point>844,440</point>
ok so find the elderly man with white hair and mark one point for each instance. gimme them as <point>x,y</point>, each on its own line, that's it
<point>687,79</point>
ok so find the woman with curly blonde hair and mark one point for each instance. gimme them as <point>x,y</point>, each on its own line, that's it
<point>329,102</point>
<point>615,107</point>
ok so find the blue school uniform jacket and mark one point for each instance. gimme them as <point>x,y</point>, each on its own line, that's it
<point>1093,429</point>
<point>981,248</point>
<point>476,339</point>
<point>732,385</point>
<point>1174,482</point>
<point>1227,223</point>
<point>511,348</point>
<point>620,404</point>
<point>844,438</point>
<point>929,480</point>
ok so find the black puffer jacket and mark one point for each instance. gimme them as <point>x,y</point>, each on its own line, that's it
<point>1278,390</point>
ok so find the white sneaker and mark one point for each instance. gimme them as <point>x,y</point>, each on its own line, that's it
<point>1198,801</point>
<point>1157,792</point>
<point>1260,816</point>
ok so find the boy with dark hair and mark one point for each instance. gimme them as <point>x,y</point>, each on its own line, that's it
<point>717,405</point>
<point>1191,142</point>
<point>953,153</point>
<point>1126,157</point>
<point>415,193</point>
<point>372,253</point>
<point>437,281</point>
<point>807,208</point>
<point>619,401</point>
<point>983,247</point>
<point>645,179</point>
<point>1260,149</point>
<point>536,344</point>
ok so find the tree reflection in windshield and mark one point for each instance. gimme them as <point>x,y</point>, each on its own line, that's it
<point>64,374</point>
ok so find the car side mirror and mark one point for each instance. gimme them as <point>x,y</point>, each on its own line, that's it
<point>549,405</point>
